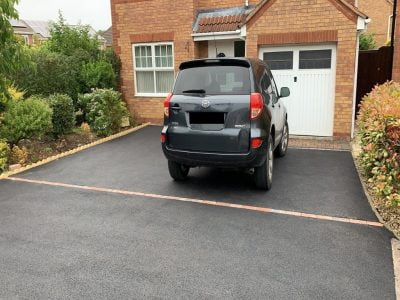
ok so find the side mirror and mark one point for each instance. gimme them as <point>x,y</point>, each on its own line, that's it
<point>285,92</point>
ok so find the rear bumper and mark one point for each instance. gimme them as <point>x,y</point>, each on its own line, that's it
<point>254,158</point>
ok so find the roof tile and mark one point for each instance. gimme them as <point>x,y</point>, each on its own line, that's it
<point>220,23</point>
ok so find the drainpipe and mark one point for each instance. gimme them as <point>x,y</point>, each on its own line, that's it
<point>353,119</point>
<point>393,37</point>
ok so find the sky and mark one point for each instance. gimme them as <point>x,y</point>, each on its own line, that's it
<point>96,13</point>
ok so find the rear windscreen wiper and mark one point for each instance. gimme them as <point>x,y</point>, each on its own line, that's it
<point>194,92</point>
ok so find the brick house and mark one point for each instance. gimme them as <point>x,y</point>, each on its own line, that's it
<point>312,47</point>
<point>23,30</point>
<point>380,13</point>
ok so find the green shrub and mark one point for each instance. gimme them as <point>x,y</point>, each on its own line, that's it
<point>105,111</point>
<point>49,73</point>
<point>26,119</point>
<point>63,118</point>
<point>379,129</point>
<point>110,56</point>
<point>99,74</point>
<point>4,155</point>
<point>367,41</point>
<point>74,41</point>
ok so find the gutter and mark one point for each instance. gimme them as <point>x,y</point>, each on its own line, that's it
<point>216,33</point>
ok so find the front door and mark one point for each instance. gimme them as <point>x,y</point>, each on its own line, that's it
<point>309,72</point>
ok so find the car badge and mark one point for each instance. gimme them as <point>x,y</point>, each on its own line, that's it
<point>205,103</point>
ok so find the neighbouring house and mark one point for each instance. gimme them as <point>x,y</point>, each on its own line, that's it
<point>396,61</point>
<point>23,30</point>
<point>39,31</point>
<point>108,38</point>
<point>380,13</point>
<point>312,47</point>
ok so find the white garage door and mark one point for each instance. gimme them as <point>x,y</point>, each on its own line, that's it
<point>309,72</point>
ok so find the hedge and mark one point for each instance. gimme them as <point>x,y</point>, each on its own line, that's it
<point>379,130</point>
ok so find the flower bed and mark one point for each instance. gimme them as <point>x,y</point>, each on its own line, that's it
<point>379,133</point>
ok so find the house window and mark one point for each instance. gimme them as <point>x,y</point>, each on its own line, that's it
<point>26,39</point>
<point>154,68</point>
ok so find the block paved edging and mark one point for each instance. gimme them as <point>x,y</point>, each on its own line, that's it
<point>396,264</point>
<point>73,151</point>
<point>355,151</point>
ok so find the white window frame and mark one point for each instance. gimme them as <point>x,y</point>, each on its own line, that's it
<point>26,38</point>
<point>153,68</point>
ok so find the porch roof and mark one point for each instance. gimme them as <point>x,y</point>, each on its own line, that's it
<point>221,20</point>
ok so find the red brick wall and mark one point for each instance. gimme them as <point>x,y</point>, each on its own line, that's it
<point>133,22</point>
<point>396,62</point>
<point>287,18</point>
<point>378,11</point>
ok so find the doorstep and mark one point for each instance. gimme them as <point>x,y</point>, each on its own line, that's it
<point>318,143</point>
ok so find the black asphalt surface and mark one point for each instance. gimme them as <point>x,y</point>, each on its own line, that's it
<point>60,243</point>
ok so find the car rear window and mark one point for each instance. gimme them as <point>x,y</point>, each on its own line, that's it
<point>214,80</point>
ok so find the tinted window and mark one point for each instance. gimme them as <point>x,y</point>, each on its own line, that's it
<point>279,60</point>
<point>315,59</point>
<point>214,80</point>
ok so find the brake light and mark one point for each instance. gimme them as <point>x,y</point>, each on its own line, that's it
<point>166,104</point>
<point>256,105</point>
<point>256,143</point>
<point>163,138</point>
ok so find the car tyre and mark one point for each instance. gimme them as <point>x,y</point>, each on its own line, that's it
<point>263,174</point>
<point>177,171</point>
<point>283,145</point>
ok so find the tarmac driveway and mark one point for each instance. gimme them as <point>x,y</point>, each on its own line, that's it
<point>103,223</point>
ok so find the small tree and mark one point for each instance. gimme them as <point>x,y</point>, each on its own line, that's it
<point>12,53</point>
<point>367,41</point>
<point>73,41</point>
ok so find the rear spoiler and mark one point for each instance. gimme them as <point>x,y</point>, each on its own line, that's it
<point>214,62</point>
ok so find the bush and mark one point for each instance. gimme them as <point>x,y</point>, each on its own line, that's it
<point>379,129</point>
<point>63,118</point>
<point>19,155</point>
<point>77,41</point>
<point>367,41</point>
<point>110,56</point>
<point>4,154</point>
<point>26,119</point>
<point>12,95</point>
<point>99,74</point>
<point>48,74</point>
<point>105,110</point>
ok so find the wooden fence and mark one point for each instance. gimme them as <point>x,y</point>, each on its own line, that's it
<point>373,68</point>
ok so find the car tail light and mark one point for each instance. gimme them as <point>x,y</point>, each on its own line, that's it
<point>256,105</point>
<point>163,138</point>
<point>166,104</point>
<point>256,143</point>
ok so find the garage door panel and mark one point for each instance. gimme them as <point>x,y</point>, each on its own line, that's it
<point>311,81</point>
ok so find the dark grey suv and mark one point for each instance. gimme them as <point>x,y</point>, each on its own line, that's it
<point>225,112</point>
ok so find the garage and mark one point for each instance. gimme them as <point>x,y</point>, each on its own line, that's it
<point>309,72</point>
